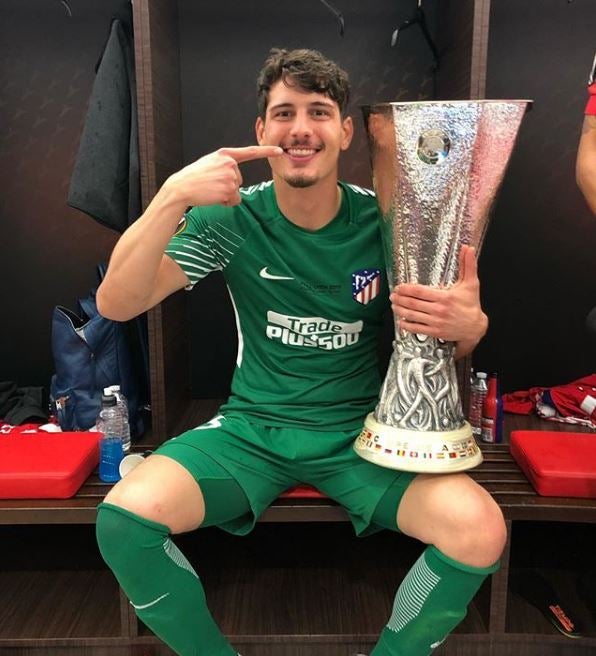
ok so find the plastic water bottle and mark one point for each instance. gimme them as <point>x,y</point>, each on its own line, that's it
<point>492,413</point>
<point>110,445</point>
<point>123,408</point>
<point>478,392</point>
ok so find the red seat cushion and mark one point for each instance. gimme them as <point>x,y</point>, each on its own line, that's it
<point>46,465</point>
<point>556,463</point>
<point>302,492</point>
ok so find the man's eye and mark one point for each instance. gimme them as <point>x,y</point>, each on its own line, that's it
<point>283,114</point>
<point>320,113</point>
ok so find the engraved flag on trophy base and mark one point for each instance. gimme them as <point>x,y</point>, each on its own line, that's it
<point>437,167</point>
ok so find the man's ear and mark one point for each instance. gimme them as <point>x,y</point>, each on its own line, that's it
<point>348,133</point>
<point>259,130</point>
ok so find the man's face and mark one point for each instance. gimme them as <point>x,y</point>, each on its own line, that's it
<point>309,128</point>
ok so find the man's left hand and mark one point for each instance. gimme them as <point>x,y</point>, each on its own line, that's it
<point>453,314</point>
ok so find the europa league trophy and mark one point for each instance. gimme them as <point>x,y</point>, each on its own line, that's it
<point>437,167</point>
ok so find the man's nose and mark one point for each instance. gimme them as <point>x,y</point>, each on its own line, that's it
<point>301,126</point>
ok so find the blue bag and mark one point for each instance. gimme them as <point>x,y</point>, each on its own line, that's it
<point>90,353</point>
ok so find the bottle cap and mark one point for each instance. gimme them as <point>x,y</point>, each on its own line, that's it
<point>481,374</point>
<point>107,391</point>
<point>114,388</point>
<point>108,399</point>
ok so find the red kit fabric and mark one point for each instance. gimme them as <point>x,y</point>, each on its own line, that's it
<point>46,465</point>
<point>557,464</point>
<point>302,492</point>
<point>571,403</point>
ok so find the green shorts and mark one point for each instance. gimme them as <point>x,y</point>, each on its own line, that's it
<point>265,461</point>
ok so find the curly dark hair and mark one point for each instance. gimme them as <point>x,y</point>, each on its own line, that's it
<point>306,69</point>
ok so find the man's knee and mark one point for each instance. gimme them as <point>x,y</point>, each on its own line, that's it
<point>458,516</point>
<point>138,497</point>
<point>479,530</point>
<point>161,490</point>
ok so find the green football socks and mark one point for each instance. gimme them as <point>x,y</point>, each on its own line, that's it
<point>430,602</point>
<point>161,584</point>
<point>168,596</point>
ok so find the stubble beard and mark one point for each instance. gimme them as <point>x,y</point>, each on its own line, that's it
<point>300,181</point>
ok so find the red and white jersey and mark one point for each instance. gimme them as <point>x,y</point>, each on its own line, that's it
<point>571,403</point>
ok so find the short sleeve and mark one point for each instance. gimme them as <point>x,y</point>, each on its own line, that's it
<point>192,247</point>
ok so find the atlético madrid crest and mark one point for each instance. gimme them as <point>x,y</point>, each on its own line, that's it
<point>366,285</point>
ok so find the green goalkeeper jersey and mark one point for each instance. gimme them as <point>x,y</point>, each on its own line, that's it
<point>308,305</point>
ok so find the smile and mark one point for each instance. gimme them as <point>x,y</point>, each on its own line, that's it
<point>301,152</point>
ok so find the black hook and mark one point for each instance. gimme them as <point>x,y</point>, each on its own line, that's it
<point>66,6</point>
<point>337,14</point>
<point>419,18</point>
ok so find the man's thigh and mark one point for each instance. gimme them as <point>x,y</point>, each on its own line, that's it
<point>237,476</point>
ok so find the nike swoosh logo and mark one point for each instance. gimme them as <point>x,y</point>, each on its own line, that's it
<point>151,603</point>
<point>269,276</point>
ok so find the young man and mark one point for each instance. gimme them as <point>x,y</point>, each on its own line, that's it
<point>306,372</point>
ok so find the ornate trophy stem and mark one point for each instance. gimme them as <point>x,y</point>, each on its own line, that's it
<point>420,391</point>
<point>437,167</point>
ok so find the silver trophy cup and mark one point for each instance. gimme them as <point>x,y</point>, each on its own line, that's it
<point>436,167</point>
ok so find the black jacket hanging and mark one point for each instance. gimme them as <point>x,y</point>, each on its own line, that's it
<point>105,182</point>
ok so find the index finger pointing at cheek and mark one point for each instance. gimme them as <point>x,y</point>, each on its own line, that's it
<point>247,153</point>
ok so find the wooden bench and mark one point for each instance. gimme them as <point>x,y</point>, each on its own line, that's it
<point>488,626</point>
<point>498,473</point>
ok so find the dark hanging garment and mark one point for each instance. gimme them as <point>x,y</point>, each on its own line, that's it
<point>105,182</point>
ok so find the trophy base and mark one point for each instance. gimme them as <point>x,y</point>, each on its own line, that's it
<point>423,452</point>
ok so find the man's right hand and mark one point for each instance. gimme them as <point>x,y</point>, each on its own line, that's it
<point>215,179</point>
